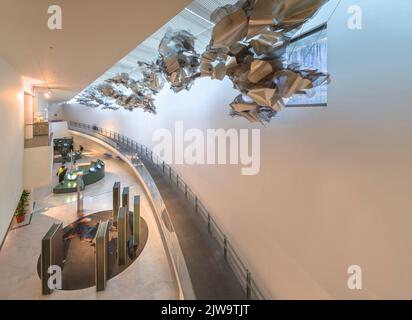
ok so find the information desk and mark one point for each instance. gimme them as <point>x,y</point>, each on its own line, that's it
<point>77,156</point>
<point>61,143</point>
<point>92,173</point>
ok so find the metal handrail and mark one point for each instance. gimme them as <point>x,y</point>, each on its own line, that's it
<point>130,147</point>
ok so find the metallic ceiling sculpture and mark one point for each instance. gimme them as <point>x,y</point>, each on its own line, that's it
<point>178,59</point>
<point>122,91</point>
<point>248,45</point>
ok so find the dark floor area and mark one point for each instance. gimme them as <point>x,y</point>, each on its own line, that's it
<point>79,251</point>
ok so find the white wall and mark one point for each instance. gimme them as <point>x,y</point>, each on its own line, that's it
<point>11,143</point>
<point>59,129</point>
<point>334,186</point>
<point>55,112</point>
<point>37,167</point>
<point>28,116</point>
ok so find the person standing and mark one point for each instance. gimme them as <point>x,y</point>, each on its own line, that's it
<point>61,173</point>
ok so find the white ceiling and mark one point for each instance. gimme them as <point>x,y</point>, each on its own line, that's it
<point>95,34</point>
<point>194,18</point>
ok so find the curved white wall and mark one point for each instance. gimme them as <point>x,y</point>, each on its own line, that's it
<point>11,143</point>
<point>334,186</point>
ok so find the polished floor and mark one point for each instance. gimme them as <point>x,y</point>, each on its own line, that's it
<point>149,277</point>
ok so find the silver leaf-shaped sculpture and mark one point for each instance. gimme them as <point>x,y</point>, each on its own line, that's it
<point>248,45</point>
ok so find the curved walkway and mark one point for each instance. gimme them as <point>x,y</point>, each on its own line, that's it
<point>211,276</point>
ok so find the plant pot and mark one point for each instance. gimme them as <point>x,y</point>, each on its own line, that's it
<point>21,218</point>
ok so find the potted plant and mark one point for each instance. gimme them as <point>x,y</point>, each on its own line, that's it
<point>22,206</point>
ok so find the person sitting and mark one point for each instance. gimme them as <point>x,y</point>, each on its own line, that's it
<point>81,148</point>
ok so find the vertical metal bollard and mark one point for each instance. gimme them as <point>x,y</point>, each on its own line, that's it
<point>116,200</point>
<point>80,205</point>
<point>102,255</point>
<point>126,205</point>
<point>248,285</point>
<point>122,236</point>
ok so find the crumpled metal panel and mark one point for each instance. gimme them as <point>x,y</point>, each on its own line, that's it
<point>179,62</point>
<point>255,34</point>
<point>152,76</point>
<point>250,110</point>
<point>292,14</point>
<point>230,29</point>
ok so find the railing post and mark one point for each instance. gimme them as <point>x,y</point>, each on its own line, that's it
<point>163,165</point>
<point>170,173</point>
<point>177,180</point>
<point>248,285</point>
<point>196,203</point>
<point>186,190</point>
<point>209,225</point>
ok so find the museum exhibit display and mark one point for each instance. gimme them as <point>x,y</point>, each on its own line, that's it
<point>85,255</point>
<point>51,255</point>
<point>70,156</point>
<point>102,255</point>
<point>65,148</point>
<point>116,200</point>
<point>137,225</point>
<point>63,143</point>
<point>122,236</point>
<point>126,204</point>
<point>91,173</point>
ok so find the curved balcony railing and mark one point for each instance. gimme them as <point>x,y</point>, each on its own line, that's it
<point>133,150</point>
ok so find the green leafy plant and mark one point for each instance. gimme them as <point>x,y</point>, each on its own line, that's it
<point>23,204</point>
